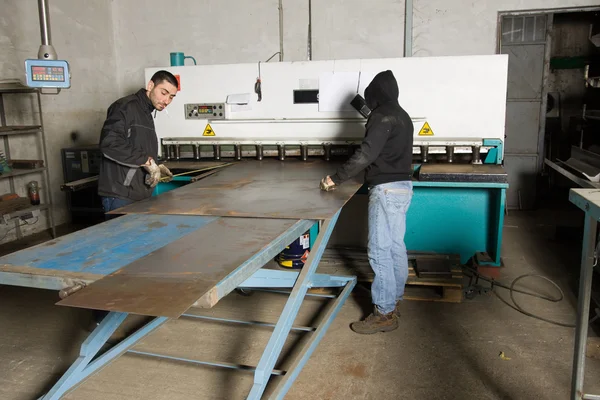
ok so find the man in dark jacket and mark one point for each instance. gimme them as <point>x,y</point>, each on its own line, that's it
<point>386,157</point>
<point>129,144</point>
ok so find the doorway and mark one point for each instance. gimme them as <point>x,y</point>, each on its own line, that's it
<point>549,53</point>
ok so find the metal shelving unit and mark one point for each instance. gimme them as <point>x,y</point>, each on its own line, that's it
<point>6,131</point>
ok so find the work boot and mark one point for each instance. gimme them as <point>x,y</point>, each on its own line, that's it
<point>397,309</point>
<point>376,322</point>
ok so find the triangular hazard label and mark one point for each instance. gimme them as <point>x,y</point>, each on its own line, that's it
<point>208,131</point>
<point>426,130</point>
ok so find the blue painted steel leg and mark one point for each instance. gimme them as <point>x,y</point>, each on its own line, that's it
<point>123,346</point>
<point>294,370</point>
<point>84,366</point>
<point>290,311</point>
<point>495,246</point>
<point>583,308</point>
<point>272,278</point>
<point>89,349</point>
<point>500,227</point>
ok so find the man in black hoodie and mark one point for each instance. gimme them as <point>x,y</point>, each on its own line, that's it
<point>129,144</point>
<point>386,157</point>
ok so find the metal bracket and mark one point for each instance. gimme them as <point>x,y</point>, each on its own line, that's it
<point>75,287</point>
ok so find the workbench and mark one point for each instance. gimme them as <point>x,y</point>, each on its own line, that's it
<point>210,256</point>
<point>587,200</point>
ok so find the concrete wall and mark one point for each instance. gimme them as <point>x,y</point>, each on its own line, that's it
<point>82,34</point>
<point>109,43</point>
<point>248,31</point>
<point>214,34</point>
<point>459,27</point>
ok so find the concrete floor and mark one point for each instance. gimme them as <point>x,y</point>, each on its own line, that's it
<point>440,351</point>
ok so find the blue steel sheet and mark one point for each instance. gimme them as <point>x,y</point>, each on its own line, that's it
<point>206,264</point>
<point>104,248</point>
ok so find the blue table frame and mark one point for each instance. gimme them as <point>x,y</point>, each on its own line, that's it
<point>587,200</point>
<point>73,261</point>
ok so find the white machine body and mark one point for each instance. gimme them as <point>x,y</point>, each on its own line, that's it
<point>462,100</point>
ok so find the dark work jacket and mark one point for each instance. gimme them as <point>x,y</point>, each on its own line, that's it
<point>128,138</point>
<point>386,150</point>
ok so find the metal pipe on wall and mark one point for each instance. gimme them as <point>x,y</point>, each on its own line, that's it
<point>408,27</point>
<point>46,51</point>
<point>309,46</point>
<point>44,22</point>
<point>280,30</point>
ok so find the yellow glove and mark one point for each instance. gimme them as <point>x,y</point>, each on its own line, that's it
<point>327,184</point>
<point>165,174</point>
<point>153,176</point>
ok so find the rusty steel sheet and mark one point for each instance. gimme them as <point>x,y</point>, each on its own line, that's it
<point>482,173</point>
<point>259,189</point>
<point>199,268</point>
<point>193,165</point>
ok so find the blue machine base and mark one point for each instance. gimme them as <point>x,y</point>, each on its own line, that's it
<point>457,219</point>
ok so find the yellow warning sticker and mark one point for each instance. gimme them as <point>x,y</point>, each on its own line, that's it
<point>208,131</point>
<point>426,130</point>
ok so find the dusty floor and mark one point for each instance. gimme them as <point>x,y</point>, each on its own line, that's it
<point>440,351</point>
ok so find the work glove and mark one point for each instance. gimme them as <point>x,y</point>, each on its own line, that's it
<point>327,184</point>
<point>165,174</point>
<point>153,175</point>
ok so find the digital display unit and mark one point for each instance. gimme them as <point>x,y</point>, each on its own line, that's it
<point>205,111</point>
<point>47,74</point>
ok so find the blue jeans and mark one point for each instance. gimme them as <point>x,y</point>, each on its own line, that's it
<point>112,203</point>
<point>388,204</point>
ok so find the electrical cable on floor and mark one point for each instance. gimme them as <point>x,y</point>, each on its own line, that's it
<point>512,290</point>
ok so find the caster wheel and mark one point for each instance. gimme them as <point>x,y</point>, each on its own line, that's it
<point>244,292</point>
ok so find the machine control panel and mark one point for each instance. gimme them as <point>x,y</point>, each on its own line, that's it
<point>205,111</point>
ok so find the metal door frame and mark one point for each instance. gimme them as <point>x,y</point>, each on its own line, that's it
<point>549,13</point>
<point>545,72</point>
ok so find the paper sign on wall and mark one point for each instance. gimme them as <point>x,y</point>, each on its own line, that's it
<point>337,89</point>
<point>239,102</point>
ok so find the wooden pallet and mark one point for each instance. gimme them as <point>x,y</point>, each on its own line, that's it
<point>355,262</point>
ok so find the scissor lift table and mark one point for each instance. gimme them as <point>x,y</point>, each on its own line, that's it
<point>110,249</point>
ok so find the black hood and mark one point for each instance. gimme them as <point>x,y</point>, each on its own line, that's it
<point>382,89</point>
